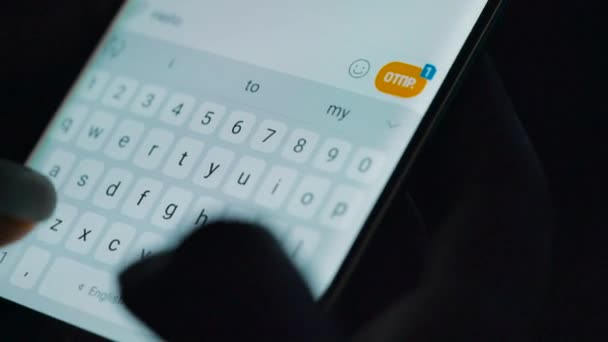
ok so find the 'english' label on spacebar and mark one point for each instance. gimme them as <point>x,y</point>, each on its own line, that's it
<point>86,289</point>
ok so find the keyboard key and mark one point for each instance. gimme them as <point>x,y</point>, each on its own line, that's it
<point>86,289</point>
<point>124,140</point>
<point>244,177</point>
<point>237,127</point>
<point>332,155</point>
<point>172,207</point>
<point>84,178</point>
<point>120,91</point>
<point>96,131</point>
<point>276,187</point>
<point>9,254</point>
<point>268,136</point>
<point>366,165</point>
<point>54,229</point>
<point>300,244</point>
<point>277,228</point>
<point>207,118</point>
<point>214,167</point>
<point>93,84</point>
<point>182,159</point>
<point>149,100</point>
<point>178,109</point>
<point>146,245</point>
<point>113,188</point>
<point>339,211</point>
<point>153,149</point>
<point>308,197</point>
<point>30,267</point>
<point>69,122</point>
<point>204,211</point>
<point>86,232</point>
<point>115,243</point>
<point>300,145</point>
<point>239,214</point>
<point>58,167</point>
<point>141,199</point>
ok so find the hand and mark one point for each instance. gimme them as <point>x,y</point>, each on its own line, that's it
<point>485,272</point>
<point>30,29</point>
<point>489,212</point>
<point>26,197</point>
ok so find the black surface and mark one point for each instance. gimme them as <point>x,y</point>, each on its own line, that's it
<point>551,58</point>
<point>551,55</point>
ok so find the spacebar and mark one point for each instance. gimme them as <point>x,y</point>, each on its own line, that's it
<point>86,289</point>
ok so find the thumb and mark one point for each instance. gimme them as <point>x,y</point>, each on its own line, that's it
<point>25,197</point>
<point>226,282</point>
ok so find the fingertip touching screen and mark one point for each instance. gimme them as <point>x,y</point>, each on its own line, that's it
<point>290,114</point>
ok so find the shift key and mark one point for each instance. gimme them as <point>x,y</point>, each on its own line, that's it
<point>86,289</point>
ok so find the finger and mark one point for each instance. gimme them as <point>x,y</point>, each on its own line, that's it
<point>25,197</point>
<point>487,270</point>
<point>12,230</point>
<point>225,282</point>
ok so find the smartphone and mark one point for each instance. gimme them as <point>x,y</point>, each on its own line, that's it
<point>303,117</point>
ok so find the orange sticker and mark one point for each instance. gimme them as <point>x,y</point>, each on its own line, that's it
<point>401,80</point>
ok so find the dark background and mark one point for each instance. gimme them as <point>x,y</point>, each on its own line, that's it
<point>551,57</point>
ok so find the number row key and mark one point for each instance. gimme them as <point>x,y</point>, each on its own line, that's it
<point>124,136</point>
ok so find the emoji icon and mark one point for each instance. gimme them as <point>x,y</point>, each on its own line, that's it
<point>359,68</point>
<point>401,79</point>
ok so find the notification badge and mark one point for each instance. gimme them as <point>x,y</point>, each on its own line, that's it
<point>404,80</point>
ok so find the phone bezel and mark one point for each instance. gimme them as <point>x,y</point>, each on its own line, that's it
<point>327,301</point>
<point>430,120</point>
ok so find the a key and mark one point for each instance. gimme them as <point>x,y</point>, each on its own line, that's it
<point>58,166</point>
<point>171,208</point>
<point>119,92</point>
<point>207,118</point>
<point>339,211</point>
<point>69,122</point>
<point>54,229</point>
<point>332,155</point>
<point>96,131</point>
<point>183,158</point>
<point>300,145</point>
<point>366,165</point>
<point>85,233</point>
<point>244,177</point>
<point>123,142</point>
<point>204,211</point>
<point>93,84</point>
<point>178,109</point>
<point>276,187</point>
<point>238,127</point>
<point>308,197</point>
<point>269,135</point>
<point>115,243</point>
<point>112,188</point>
<point>149,100</point>
<point>143,196</point>
<point>153,149</point>
<point>30,267</point>
<point>84,178</point>
<point>86,289</point>
<point>214,167</point>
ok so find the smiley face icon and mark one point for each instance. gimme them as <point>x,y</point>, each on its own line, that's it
<point>359,68</point>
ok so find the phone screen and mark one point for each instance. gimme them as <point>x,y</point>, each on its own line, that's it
<point>290,114</point>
